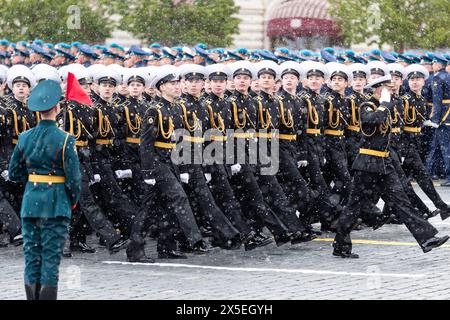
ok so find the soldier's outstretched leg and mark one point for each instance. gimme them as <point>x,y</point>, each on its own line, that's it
<point>393,194</point>
<point>112,199</point>
<point>9,218</point>
<point>169,202</point>
<point>251,199</point>
<point>413,166</point>
<point>199,194</point>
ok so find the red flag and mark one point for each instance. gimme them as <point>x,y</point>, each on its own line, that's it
<point>75,92</point>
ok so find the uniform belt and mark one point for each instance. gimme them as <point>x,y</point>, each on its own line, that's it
<point>165,145</point>
<point>412,129</point>
<point>353,128</point>
<point>133,140</point>
<point>79,143</point>
<point>218,138</point>
<point>15,141</point>
<point>313,131</point>
<point>334,132</point>
<point>104,141</point>
<point>264,135</point>
<point>430,103</point>
<point>446,101</point>
<point>376,153</point>
<point>395,130</point>
<point>46,179</point>
<point>289,137</point>
<point>194,139</point>
<point>242,135</point>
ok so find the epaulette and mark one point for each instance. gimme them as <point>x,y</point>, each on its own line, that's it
<point>368,96</point>
<point>280,96</point>
<point>304,95</point>
<point>352,96</point>
<point>181,100</point>
<point>156,106</point>
<point>406,97</point>
<point>208,100</point>
<point>232,98</point>
<point>258,98</point>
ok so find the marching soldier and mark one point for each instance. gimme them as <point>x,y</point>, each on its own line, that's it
<point>315,75</point>
<point>268,113</point>
<point>292,122</point>
<point>397,73</point>
<point>206,210</point>
<point>164,191</point>
<point>9,219</point>
<point>106,151</point>
<point>374,173</point>
<point>18,119</point>
<point>46,160</point>
<point>132,110</point>
<point>355,97</point>
<point>216,123</point>
<point>415,113</point>
<point>336,118</point>
<point>245,186</point>
<point>78,120</point>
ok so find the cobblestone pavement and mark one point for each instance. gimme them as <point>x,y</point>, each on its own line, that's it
<point>391,266</point>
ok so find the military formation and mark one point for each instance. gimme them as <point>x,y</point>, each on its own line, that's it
<point>200,148</point>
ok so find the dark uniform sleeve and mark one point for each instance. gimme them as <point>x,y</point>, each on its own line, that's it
<point>149,157</point>
<point>72,170</point>
<point>17,166</point>
<point>301,114</point>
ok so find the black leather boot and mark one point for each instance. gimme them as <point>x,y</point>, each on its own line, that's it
<point>32,291</point>
<point>48,292</point>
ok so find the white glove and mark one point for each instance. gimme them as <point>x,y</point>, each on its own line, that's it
<point>208,177</point>
<point>402,159</point>
<point>122,174</point>
<point>151,182</point>
<point>302,163</point>
<point>5,175</point>
<point>324,160</point>
<point>385,95</point>
<point>184,177</point>
<point>235,168</point>
<point>97,179</point>
<point>429,123</point>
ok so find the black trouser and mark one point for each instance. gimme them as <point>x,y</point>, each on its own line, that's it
<point>276,199</point>
<point>252,202</point>
<point>167,205</point>
<point>336,168</point>
<point>133,187</point>
<point>13,193</point>
<point>300,195</point>
<point>391,191</point>
<point>112,200</point>
<point>205,207</point>
<point>325,207</point>
<point>8,217</point>
<point>352,139</point>
<point>414,167</point>
<point>407,187</point>
<point>88,210</point>
<point>225,199</point>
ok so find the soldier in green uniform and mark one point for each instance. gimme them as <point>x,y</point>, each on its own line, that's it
<point>45,158</point>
